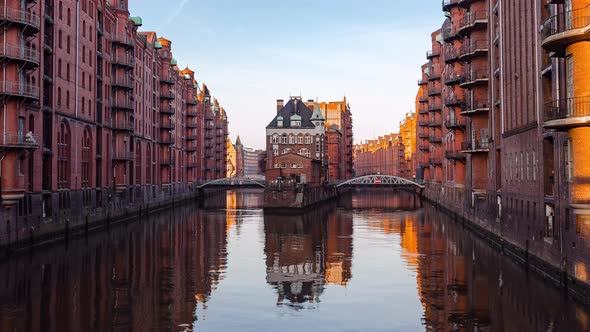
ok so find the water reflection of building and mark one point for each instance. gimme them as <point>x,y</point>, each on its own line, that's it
<point>377,198</point>
<point>466,285</point>
<point>138,277</point>
<point>306,252</point>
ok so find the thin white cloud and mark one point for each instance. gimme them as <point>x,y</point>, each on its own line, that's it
<point>175,13</point>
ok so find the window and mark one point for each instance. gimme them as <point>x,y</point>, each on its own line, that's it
<point>59,68</point>
<point>138,162</point>
<point>148,163</point>
<point>63,156</point>
<point>68,45</point>
<point>307,139</point>
<point>68,99</point>
<point>69,17</point>
<point>287,150</point>
<point>59,39</point>
<point>569,160</point>
<point>61,11</point>
<point>293,165</point>
<point>86,161</point>
<point>275,139</point>
<point>300,139</point>
<point>276,152</point>
<point>283,165</point>
<point>284,139</point>
<point>291,139</point>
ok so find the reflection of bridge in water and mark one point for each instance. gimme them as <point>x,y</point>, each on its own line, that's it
<point>230,183</point>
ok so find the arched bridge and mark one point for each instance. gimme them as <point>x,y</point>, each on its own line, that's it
<point>233,183</point>
<point>378,180</point>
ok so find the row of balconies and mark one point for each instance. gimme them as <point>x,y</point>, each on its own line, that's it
<point>473,48</point>
<point>566,113</point>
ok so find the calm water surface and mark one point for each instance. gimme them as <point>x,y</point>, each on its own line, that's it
<point>373,262</point>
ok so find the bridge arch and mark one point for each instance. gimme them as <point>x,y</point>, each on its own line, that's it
<point>380,180</point>
<point>233,183</point>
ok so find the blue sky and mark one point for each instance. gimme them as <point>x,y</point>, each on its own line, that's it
<point>251,53</point>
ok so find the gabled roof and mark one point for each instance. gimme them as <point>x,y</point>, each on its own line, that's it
<point>294,106</point>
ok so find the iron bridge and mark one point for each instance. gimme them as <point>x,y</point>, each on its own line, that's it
<point>378,180</point>
<point>233,183</point>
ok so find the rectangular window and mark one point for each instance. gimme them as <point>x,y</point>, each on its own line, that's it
<point>569,160</point>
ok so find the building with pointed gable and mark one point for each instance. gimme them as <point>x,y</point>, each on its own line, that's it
<point>296,144</point>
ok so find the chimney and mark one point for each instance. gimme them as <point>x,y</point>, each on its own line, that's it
<point>279,105</point>
<point>310,104</point>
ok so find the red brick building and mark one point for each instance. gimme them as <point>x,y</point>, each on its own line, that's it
<point>296,143</point>
<point>98,115</point>
<point>514,118</point>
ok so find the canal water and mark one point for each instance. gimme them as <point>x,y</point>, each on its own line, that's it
<point>374,261</point>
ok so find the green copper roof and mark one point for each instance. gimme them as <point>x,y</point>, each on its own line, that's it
<point>295,117</point>
<point>136,20</point>
<point>157,45</point>
<point>195,85</point>
<point>173,62</point>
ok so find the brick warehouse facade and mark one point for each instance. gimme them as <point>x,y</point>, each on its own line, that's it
<point>97,117</point>
<point>392,154</point>
<point>503,107</point>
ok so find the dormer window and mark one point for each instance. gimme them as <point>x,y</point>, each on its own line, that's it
<point>279,121</point>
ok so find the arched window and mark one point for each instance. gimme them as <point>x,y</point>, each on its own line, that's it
<point>63,156</point>
<point>148,164</point>
<point>300,139</point>
<point>61,11</point>
<point>138,162</point>
<point>68,46</point>
<point>307,139</point>
<point>284,139</point>
<point>275,139</point>
<point>59,40</point>
<point>86,158</point>
<point>291,139</point>
<point>69,17</point>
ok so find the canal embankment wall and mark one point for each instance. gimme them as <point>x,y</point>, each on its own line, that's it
<point>490,227</point>
<point>297,198</point>
<point>22,232</point>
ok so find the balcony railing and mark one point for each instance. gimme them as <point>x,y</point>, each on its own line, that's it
<point>451,53</point>
<point>423,135</point>
<point>122,155</point>
<point>455,123</point>
<point>424,146</point>
<point>423,109</point>
<point>473,20</point>
<point>473,105</point>
<point>23,53</point>
<point>433,75</point>
<point>435,160</point>
<point>16,89</point>
<point>166,124</point>
<point>167,80</point>
<point>191,113</point>
<point>191,137</point>
<point>473,48</point>
<point>452,153</point>
<point>123,125</point>
<point>478,145</point>
<point>452,78</point>
<point>571,26</point>
<point>122,104</point>
<point>436,138</point>
<point>124,40</point>
<point>122,83</point>
<point>477,76</point>
<point>435,123</point>
<point>167,95</point>
<point>422,82</point>
<point>31,21</point>
<point>454,100</point>
<point>449,34</point>
<point>166,140</point>
<point>434,107</point>
<point>19,141</point>
<point>423,99</point>
<point>434,90</point>
<point>167,110</point>
<point>570,112</point>
<point>167,162</point>
<point>123,60</point>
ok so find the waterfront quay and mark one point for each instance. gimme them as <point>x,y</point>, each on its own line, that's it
<point>229,263</point>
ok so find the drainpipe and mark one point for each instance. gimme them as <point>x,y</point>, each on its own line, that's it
<point>75,132</point>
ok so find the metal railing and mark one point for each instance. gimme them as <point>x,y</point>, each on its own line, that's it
<point>123,125</point>
<point>567,108</point>
<point>476,144</point>
<point>167,162</point>
<point>122,82</point>
<point>455,123</point>
<point>166,124</point>
<point>123,39</point>
<point>167,94</point>
<point>451,53</point>
<point>436,138</point>
<point>452,153</point>
<point>20,16</point>
<point>125,60</point>
<point>122,155</point>
<point>566,21</point>
<point>476,75</point>
<point>123,104</point>
<point>452,77</point>
<point>452,100</point>
<point>474,46</point>
<point>472,18</point>
<point>24,53</point>
<point>446,4</point>
<point>435,160</point>
<point>19,140</point>
<point>435,123</point>
<point>19,89</point>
